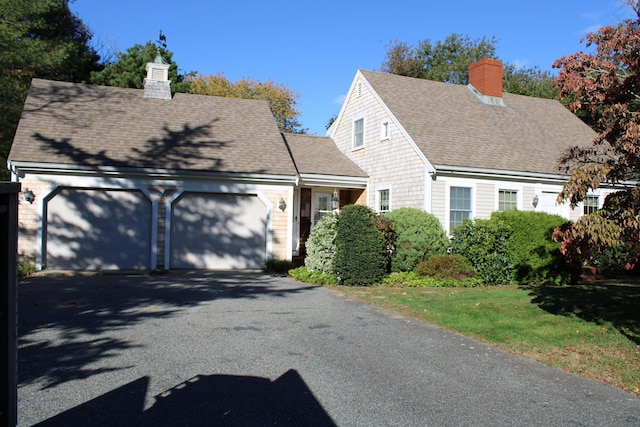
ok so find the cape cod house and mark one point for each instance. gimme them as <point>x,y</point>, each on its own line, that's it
<point>458,151</point>
<point>118,178</point>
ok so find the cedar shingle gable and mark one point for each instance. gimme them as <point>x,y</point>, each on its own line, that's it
<point>453,128</point>
<point>93,126</point>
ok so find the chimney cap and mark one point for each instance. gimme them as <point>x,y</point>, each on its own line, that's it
<point>486,61</point>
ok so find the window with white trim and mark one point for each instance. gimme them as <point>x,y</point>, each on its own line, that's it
<point>384,130</point>
<point>507,200</point>
<point>322,206</point>
<point>590,204</point>
<point>384,200</point>
<point>459,205</point>
<point>358,133</point>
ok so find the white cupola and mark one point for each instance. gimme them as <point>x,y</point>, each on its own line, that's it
<point>157,84</point>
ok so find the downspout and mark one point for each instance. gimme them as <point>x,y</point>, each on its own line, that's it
<point>429,177</point>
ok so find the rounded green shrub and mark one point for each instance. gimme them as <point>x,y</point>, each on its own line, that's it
<point>446,267</point>
<point>360,247</point>
<point>321,245</point>
<point>485,243</point>
<point>536,258</point>
<point>419,235</point>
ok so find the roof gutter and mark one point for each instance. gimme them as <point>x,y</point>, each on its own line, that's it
<point>318,180</point>
<point>497,173</point>
<point>19,167</point>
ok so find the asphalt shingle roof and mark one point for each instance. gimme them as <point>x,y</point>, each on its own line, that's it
<point>77,124</point>
<point>320,155</point>
<point>453,128</point>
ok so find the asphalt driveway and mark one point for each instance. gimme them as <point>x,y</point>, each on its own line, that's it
<point>217,349</point>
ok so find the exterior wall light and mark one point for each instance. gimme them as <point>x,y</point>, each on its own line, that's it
<point>282,205</point>
<point>335,202</point>
<point>535,201</point>
<point>28,196</point>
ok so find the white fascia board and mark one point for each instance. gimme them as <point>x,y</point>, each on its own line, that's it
<point>501,174</point>
<point>506,175</point>
<point>315,180</point>
<point>52,168</point>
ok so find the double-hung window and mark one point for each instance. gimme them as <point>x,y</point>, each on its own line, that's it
<point>358,133</point>
<point>590,204</point>
<point>459,205</point>
<point>384,200</point>
<point>507,200</point>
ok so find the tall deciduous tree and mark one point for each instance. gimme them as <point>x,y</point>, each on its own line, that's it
<point>605,84</point>
<point>449,60</point>
<point>129,68</point>
<point>282,100</point>
<point>531,81</point>
<point>41,39</point>
<point>446,61</point>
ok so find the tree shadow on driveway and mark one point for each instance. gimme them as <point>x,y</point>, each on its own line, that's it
<point>64,322</point>
<point>204,400</point>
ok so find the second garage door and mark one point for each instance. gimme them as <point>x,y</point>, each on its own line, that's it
<point>218,231</point>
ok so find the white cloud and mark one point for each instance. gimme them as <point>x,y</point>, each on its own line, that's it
<point>590,29</point>
<point>520,63</point>
<point>339,99</point>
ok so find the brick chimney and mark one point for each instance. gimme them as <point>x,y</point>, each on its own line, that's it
<point>486,77</point>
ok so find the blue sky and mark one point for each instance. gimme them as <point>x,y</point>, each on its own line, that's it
<point>315,48</point>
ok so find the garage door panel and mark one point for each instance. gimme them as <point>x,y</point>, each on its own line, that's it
<point>97,229</point>
<point>218,231</point>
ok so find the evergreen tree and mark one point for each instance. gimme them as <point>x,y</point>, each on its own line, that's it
<point>42,39</point>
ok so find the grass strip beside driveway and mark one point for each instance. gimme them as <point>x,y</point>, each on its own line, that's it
<point>592,330</point>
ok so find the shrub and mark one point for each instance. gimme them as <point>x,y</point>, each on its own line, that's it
<point>360,247</point>
<point>484,243</point>
<point>535,256</point>
<point>419,235</point>
<point>321,245</point>
<point>26,269</point>
<point>318,278</point>
<point>388,230</point>
<point>411,279</point>
<point>279,266</point>
<point>446,267</point>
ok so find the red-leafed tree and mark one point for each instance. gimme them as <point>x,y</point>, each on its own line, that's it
<point>605,87</point>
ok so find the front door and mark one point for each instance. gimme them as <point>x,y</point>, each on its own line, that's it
<point>321,206</point>
<point>305,220</point>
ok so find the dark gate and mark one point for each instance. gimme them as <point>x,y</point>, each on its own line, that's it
<point>8,313</point>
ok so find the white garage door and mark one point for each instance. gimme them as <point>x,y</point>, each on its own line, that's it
<point>98,229</point>
<point>547,203</point>
<point>218,231</point>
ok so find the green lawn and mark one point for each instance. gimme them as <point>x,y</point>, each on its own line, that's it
<point>591,330</point>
